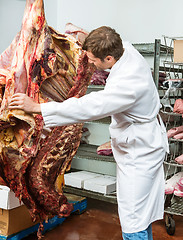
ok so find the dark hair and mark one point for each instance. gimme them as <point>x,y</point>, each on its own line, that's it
<point>104,41</point>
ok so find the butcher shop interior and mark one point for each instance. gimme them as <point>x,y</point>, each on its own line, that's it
<point>91,129</point>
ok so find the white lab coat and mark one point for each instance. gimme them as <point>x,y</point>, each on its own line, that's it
<point>139,142</point>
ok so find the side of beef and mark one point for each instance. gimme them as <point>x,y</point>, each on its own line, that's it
<point>47,66</point>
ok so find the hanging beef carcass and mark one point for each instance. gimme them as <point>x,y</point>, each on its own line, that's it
<point>46,66</point>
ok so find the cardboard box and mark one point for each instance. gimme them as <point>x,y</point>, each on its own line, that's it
<point>8,199</point>
<point>77,179</point>
<point>14,220</point>
<point>14,216</point>
<point>104,184</point>
<point>178,51</point>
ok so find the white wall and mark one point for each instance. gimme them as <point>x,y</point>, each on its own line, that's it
<point>135,20</point>
<point>11,14</point>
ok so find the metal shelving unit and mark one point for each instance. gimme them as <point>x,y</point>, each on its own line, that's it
<point>81,192</point>
<point>174,91</point>
<point>87,159</point>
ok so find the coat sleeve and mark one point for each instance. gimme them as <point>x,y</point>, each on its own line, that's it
<point>95,105</point>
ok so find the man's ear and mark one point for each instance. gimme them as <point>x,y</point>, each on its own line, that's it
<point>109,58</point>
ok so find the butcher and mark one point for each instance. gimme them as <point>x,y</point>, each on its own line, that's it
<point>138,136</point>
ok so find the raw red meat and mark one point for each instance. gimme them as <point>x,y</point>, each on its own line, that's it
<point>174,131</point>
<point>179,159</point>
<point>171,182</point>
<point>178,191</point>
<point>178,106</point>
<point>105,149</point>
<point>179,136</point>
<point>99,77</point>
<point>46,65</point>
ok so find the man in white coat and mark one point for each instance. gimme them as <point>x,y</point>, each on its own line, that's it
<point>138,136</point>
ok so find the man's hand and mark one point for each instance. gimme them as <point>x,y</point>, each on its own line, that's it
<point>23,102</point>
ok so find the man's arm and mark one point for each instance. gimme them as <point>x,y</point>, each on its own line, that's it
<point>23,102</point>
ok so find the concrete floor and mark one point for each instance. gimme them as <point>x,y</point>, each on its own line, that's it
<point>100,222</point>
